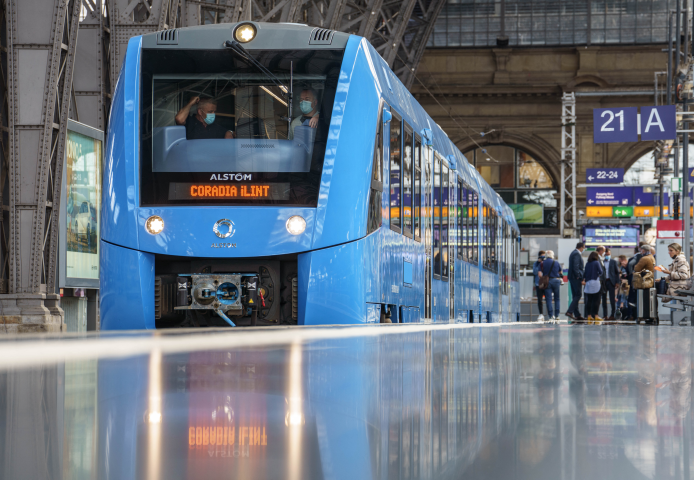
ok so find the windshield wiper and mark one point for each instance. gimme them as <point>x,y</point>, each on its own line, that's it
<point>243,53</point>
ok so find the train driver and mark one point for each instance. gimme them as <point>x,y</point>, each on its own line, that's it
<point>309,109</point>
<point>201,125</point>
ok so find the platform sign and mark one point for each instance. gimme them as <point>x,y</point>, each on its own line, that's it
<point>644,196</point>
<point>604,175</point>
<point>609,196</point>
<point>617,125</point>
<point>611,125</point>
<point>658,123</point>
<point>599,212</point>
<point>619,236</point>
<point>623,212</point>
<point>650,211</point>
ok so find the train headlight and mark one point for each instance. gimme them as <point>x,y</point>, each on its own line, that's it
<point>296,225</point>
<point>154,224</point>
<point>245,33</point>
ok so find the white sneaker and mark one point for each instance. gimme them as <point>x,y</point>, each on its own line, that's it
<point>541,318</point>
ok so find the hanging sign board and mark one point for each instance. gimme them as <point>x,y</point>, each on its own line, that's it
<point>609,196</point>
<point>604,175</point>
<point>617,125</point>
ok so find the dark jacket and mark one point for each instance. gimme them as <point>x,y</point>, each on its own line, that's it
<point>613,271</point>
<point>536,268</point>
<point>575,266</point>
<point>551,268</point>
<point>593,270</point>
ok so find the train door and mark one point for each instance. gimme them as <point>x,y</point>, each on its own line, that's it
<point>428,212</point>
<point>386,287</point>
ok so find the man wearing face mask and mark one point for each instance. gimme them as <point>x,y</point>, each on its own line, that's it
<point>309,110</point>
<point>202,125</point>
<point>613,274</point>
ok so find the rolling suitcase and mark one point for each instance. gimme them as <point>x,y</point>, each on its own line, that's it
<point>646,305</point>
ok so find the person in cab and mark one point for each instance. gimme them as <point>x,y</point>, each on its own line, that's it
<point>202,125</point>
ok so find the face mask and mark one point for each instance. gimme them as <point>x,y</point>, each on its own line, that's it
<point>209,118</point>
<point>305,106</point>
<point>607,257</point>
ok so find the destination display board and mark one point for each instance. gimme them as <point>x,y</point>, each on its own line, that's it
<point>528,213</point>
<point>620,236</point>
<point>207,191</point>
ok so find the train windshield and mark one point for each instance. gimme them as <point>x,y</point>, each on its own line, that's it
<point>217,131</point>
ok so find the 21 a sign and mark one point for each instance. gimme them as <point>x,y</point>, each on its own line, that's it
<point>617,125</point>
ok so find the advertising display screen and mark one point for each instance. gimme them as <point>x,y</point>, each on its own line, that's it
<point>81,208</point>
<point>528,213</point>
<point>621,236</point>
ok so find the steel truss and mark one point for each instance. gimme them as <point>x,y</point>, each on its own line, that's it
<point>36,85</point>
<point>567,218</point>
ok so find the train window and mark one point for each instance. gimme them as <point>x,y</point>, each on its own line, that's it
<point>395,172</point>
<point>376,194</point>
<point>475,228</point>
<point>407,164</point>
<point>208,113</point>
<point>417,188</point>
<point>461,229</point>
<point>428,211</point>
<point>437,216</point>
<point>445,205</point>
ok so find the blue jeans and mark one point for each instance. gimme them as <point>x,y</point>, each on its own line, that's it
<point>576,292</point>
<point>553,291</point>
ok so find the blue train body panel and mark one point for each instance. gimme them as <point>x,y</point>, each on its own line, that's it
<point>340,269</point>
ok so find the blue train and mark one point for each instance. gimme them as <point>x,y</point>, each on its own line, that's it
<point>279,174</point>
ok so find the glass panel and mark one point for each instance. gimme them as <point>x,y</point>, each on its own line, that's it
<point>417,188</point>
<point>475,229</point>
<point>496,166</point>
<point>428,212</point>
<point>444,220</point>
<point>407,182</point>
<point>437,216</point>
<point>395,157</point>
<point>531,174</point>
<point>207,111</point>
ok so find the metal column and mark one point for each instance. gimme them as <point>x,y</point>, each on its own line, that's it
<point>40,60</point>
<point>567,211</point>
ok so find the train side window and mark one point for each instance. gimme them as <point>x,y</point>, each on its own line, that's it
<point>417,188</point>
<point>376,194</point>
<point>475,228</point>
<point>436,237</point>
<point>460,219</point>
<point>407,167</point>
<point>395,172</point>
<point>445,206</point>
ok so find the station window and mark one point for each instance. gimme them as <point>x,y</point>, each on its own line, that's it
<point>437,217</point>
<point>445,204</point>
<point>459,210</point>
<point>376,193</point>
<point>417,188</point>
<point>395,176</point>
<point>407,164</point>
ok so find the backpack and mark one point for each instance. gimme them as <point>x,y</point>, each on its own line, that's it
<point>543,283</point>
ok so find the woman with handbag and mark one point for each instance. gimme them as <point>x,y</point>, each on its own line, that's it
<point>593,286</point>
<point>678,271</point>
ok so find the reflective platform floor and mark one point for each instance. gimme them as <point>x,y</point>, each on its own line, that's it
<point>384,402</point>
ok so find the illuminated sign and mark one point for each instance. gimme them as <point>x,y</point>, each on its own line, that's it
<point>611,236</point>
<point>222,436</point>
<point>202,191</point>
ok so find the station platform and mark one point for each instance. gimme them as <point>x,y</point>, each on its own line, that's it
<point>514,401</point>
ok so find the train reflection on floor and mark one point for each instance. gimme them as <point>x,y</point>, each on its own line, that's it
<point>481,403</point>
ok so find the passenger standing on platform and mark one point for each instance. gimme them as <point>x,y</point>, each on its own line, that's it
<point>603,280</point>
<point>594,271</point>
<point>552,269</point>
<point>576,281</point>
<point>678,271</point>
<point>613,273</point>
<point>631,298</point>
<point>538,291</point>
<point>647,261</point>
